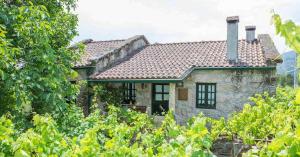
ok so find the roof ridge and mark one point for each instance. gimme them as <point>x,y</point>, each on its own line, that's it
<point>188,42</point>
<point>108,40</point>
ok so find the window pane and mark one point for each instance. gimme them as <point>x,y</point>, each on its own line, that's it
<point>212,102</point>
<point>166,97</point>
<point>202,101</point>
<point>206,95</point>
<point>158,97</point>
<point>166,88</point>
<point>158,88</point>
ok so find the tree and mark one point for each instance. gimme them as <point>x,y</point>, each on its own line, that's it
<point>35,62</point>
<point>288,30</point>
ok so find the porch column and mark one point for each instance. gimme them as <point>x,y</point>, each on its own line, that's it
<point>172,97</point>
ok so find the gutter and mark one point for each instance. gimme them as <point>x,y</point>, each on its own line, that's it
<point>138,81</point>
<point>181,78</point>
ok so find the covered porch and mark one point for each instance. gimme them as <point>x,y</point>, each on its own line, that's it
<point>154,97</point>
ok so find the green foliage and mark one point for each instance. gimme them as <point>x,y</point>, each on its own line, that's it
<point>285,80</point>
<point>6,139</point>
<point>120,133</point>
<point>108,94</point>
<point>286,143</point>
<point>269,124</point>
<point>288,30</point>
<point>35,60</point>
<point>269,116</point>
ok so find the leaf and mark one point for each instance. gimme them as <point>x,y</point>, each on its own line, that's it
<point>297,100</point>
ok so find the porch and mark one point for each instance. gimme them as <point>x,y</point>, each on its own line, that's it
<point>151,98</point>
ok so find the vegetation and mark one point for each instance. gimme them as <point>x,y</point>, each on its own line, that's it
<point>39,116</point>
<point>119,133</point>
<point>35,64</point>
<point>270,125</point>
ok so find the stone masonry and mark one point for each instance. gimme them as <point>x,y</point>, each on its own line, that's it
<point>233,90</point>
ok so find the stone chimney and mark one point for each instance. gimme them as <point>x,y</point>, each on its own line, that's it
<point>250,33</point>
<point>232,38</point>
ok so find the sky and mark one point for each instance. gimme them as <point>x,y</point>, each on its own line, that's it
<point>163,21</point>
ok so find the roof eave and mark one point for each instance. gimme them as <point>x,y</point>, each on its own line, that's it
<point>84,67</point>
<point>137,80</point>
<point>183,77</point>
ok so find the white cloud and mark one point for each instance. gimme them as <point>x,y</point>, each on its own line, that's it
<point>178,20</point>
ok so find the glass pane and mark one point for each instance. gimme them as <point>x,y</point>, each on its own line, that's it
<point>203,95</point>
<point>213,96</point>
<point>202,88</point>
<point>166,97</point>
<point>208,88</point>
<point>166,88</point>
<point>209,95</point>
<point>158,88</point>
<point>213,88</point>
<point>158,97</point>
<point>202,101</point>
<point>199,89</point>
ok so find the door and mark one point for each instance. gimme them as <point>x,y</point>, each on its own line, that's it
<point>160,98</point>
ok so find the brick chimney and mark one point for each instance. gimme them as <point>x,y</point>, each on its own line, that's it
<point>232,38</point>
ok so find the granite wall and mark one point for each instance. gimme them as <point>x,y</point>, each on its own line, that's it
<point>233,90</point>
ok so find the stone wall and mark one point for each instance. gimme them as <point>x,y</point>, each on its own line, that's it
<point>82,99</point>
<point>143,95</point>
<point>233,90</point>
<point>131,46</point>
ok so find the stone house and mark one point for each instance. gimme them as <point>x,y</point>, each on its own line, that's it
<point>213,77</point>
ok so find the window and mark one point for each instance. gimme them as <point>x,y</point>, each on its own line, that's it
<point>129,93</point>
<point>206,95</point>
<point>160,99</point>
<point>161,92</point>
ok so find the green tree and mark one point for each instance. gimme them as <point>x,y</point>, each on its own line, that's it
<point>35,62</point>
<point>289,31</point>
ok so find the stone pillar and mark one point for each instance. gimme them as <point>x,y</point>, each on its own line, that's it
<point>172,97</point>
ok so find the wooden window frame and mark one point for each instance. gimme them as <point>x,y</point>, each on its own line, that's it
<point>129,93</point>
<point>206,102</point>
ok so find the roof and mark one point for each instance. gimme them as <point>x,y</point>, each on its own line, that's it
<point>173,60</point>
<point>95,50</point>
<point>271,53</point>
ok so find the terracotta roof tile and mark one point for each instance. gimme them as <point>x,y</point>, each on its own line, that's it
<point>172,60</point>
<point>97,49</point>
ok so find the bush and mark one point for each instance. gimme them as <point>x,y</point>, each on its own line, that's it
<point>120,133</point>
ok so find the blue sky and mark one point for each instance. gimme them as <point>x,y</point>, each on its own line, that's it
<point>179,20</point>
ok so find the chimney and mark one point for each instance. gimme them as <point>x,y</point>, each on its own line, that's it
<point>232,38</point>
<point>250,33</point>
